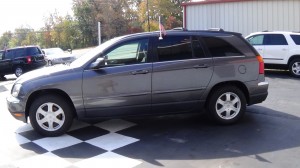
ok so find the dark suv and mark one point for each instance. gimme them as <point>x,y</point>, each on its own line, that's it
<point>20,60</point>
<point>142,74</point>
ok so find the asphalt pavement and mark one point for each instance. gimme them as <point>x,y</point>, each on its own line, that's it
<point>267,137</point>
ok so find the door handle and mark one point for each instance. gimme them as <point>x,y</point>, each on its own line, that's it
<point>260,49</point>
<point>139,72</point>
<point>201,66</point>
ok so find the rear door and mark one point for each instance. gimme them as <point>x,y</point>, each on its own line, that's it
<point>123,86</point>
<point>181,72</point>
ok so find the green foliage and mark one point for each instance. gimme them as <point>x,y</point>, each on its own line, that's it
<point>117,17</point>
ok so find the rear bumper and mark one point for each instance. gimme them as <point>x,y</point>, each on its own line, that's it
<point>35,65</point>
<point>261,95</point>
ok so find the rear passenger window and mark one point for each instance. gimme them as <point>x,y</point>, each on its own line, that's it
<point>220,48</point>
<point>275,39</point>
<point>19,53</point>
<point>174,48</point>
<point>296,39</point>
<point>33,51</point>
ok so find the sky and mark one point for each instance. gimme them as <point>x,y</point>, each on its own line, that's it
<point>30,13</point>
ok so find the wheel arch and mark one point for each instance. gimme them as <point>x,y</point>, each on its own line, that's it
<point>237,84</point>
<point>292,58</point>
<point>40,93</point>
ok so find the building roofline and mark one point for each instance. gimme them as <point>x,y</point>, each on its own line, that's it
<point>211,2</point>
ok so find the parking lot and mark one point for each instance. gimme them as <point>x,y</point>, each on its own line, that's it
<point>268,136</point>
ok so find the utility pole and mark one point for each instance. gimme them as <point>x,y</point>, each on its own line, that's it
<point>99,33</point>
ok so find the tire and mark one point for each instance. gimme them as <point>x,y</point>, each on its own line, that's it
<point>50,63</point>
<point>294,68</point>
<point>227,105</point>
<point>2,78</point>
<point>50,122</point>
<point>19,71</point>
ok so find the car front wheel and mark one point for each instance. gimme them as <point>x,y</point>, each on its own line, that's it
<point>227,105</point>
<point>294,68</point>
<point>50,115</point>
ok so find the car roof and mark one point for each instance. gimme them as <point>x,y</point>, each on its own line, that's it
<point>213,32</point>
<point>274,32</point>
<point>29,46</point>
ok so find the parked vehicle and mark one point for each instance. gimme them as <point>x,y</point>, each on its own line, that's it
<point>20,60</point>
<point>280,50</point>
<point>142,74</point>
<point>58,56</point>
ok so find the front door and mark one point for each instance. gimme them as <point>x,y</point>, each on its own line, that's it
<point>123,85</point>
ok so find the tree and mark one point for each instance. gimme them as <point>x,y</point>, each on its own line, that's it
<point>5,39</point>
<point>168,10</point>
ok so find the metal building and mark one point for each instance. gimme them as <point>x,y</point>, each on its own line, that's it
<point>244,16</point>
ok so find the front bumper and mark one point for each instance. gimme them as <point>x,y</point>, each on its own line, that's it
<point>16,108</point>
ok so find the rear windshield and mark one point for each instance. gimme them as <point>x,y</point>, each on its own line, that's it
<point>296,39</point>
<point>33,51</point>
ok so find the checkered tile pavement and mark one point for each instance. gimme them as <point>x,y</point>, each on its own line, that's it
<point>84,145</point>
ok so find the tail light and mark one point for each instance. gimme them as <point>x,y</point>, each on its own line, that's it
<point>29,60</point>
<point>261,64</point>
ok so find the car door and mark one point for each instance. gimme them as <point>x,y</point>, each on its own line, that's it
<point>123,85</point>
<point>276,48</point>
<point>6,62</point>
<point>181,73</point>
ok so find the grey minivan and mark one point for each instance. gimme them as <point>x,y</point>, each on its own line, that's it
<point>142,74</point>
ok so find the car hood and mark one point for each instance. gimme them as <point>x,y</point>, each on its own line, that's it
<point>44,73</point>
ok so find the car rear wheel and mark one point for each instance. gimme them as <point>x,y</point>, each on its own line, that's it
<point>19,71</point>
<point>227,105</point>
<point>51,115</point>
<point>294,68</point>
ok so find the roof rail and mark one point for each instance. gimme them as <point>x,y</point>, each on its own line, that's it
<point>180,28</point>
<point>216,29</point>
<point>265,31</point>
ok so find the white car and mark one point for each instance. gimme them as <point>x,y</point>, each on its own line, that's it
<point>58,56</point>
<point>280,50</point>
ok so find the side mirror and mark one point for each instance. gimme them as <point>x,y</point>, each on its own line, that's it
<point>43,52</point>
<point>100,62</point>
<point>70,51</point>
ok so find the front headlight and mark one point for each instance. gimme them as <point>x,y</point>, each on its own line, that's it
<point>15,90</point>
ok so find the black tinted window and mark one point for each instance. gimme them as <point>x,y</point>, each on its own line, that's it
<point>174,48</point>
<point>9,54</point>
<point>275,39</point>
<point>220,48</point>
<point>33,51</point>
<point>296,39</point>
<point>197,48</point>
<point>19,53</point>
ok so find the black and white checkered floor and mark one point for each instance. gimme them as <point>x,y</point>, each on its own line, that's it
<point>85,145</point>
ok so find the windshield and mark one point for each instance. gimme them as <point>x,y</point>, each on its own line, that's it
<point>94,52</point>
<point>51,51</point>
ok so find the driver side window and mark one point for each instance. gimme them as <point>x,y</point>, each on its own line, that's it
<point>133,52</point>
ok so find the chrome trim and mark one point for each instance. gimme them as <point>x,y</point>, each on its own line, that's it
<point>263,83</point>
